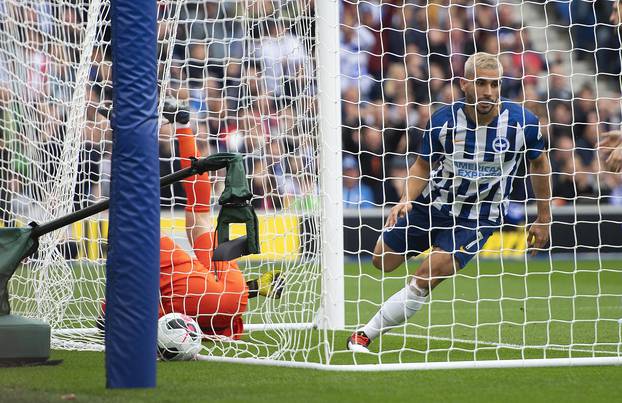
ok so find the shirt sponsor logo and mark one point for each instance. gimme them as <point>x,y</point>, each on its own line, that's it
<point>473,170</point>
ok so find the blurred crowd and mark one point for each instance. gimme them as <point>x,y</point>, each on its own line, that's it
<point>251,86</point>
<point>41,45</point>
<point>402,61</point>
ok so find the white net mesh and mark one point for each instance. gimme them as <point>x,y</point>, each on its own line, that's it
<point>250,74</point>
<point>247,72</point>
<point>226,60</point>
<point>49,135</point>
<point>403,62</point>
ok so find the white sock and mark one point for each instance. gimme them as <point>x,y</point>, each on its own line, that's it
<point>183,126</point>
<point>396,310</point>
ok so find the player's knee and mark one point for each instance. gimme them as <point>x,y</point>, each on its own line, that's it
<point>435,270</point>
<point>385,258</point>
<point>422,276</point>
<point>378,261</point>
<point>378,254</point>
<point>385,263</point>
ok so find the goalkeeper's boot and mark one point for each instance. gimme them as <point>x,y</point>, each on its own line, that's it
<point>358,342</point>
<point>176,111</point>
<point>100,322</point>
<point>270,284</point>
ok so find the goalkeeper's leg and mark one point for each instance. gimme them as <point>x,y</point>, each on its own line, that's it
<point>198,193</point>
<point>198,188</point>
<point>402,305</point>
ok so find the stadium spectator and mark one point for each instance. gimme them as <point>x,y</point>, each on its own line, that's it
<point>561,123</point>
<point>371,157</point>
<point>437,82</point>
<point>260,186</point>
<point>570,173</point>
<point>209,107</point>
<point>282,55</point>
<point>396,179</point>
<point>417,72</point>
<point>582,105</point>
<point>559,88</point>
<point>357,42</point>
<point>350,119</point>
<point>356,194</point>
<point>511,83</point>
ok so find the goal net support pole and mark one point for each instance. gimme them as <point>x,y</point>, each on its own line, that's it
<point>332,308</point>
<point>132,269</point>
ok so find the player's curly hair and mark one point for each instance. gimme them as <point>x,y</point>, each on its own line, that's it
<point>481,60</point>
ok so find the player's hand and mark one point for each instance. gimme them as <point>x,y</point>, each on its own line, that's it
<point>399,210</point>
<point>614,162</point>
<point>538,235</point>
<point>612,140</point>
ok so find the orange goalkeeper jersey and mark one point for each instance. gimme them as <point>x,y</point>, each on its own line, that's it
<point>213,293</point>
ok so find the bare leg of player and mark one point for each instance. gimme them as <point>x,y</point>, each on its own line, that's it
<point>385,258</point>
<point>402,305</point>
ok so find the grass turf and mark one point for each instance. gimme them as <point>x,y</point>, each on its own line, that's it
<point>82,376</point>
<point>520,303</point>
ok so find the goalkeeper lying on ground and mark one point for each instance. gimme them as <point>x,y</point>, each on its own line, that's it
<point>213,293</point>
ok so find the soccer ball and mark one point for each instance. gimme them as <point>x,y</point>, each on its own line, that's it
<point>179,337</point>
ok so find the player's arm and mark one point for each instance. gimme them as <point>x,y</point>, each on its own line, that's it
<point>418,176</point>
<point>419,172</point>
<point>540,176</point>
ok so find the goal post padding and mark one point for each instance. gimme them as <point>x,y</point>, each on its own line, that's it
<point>132,269</point>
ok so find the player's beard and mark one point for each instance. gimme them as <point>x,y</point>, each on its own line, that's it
<point>485,106</point>
<point>488,104</point>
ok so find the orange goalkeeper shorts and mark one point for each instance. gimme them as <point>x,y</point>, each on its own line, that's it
<point>213,293</point>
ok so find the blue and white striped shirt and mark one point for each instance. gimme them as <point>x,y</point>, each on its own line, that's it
<point>477,164</point>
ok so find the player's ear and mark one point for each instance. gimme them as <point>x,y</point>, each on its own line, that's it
<point>463,83</point>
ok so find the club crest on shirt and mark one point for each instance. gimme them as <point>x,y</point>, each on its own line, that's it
<point>500,144</point>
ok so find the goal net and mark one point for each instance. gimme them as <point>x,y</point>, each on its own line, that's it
<point>313,94</point>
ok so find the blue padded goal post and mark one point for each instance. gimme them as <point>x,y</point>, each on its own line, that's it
<point>132,268</point>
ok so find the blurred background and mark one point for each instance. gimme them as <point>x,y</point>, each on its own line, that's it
<point>249,74</point>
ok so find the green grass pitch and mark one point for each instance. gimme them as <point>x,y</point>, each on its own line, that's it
<point>519,303</point>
